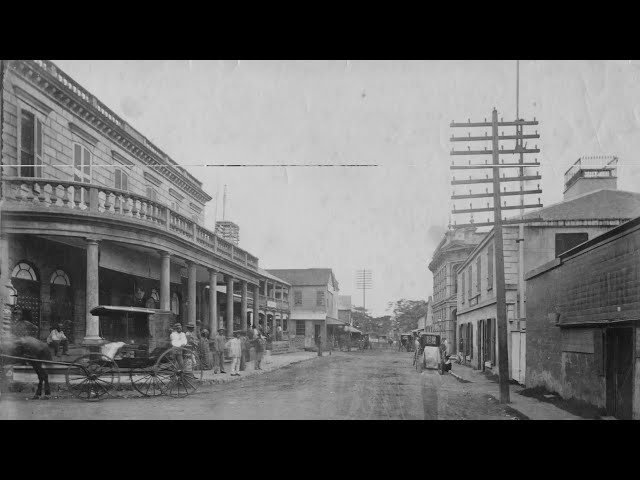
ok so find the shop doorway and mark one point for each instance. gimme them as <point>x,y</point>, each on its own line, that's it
<point>61,303</point>
<point>619,372</point>
<point>26,281</point>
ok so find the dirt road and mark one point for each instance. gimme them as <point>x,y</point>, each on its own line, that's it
<point>376,385</point>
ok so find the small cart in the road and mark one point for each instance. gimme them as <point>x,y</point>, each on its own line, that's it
<point>429,356</point>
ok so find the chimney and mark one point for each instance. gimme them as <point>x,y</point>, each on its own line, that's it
<point>589,174</point>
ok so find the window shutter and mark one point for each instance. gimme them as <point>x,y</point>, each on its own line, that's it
<point>118,178</point>
<point>125,181</point>
<point>38,149</point>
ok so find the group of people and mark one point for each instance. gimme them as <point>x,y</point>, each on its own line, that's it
<point>211,350</point>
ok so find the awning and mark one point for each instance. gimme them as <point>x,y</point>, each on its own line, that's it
<point>333,321</point>
<point>111,309</point>
<point>351,329</point>
<point>308,316</point>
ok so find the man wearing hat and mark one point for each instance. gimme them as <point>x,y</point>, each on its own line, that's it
<point>235,352</point>
<point>217,345</point>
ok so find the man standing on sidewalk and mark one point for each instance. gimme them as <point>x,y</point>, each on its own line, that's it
<point>235,352</point>
<point>218,350</point>
<point>259,344</point>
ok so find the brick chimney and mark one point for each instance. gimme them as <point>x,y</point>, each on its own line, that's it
<point>589,174</point>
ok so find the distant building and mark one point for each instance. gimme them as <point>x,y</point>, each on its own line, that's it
<point>345,309</point>
<point>583,308</point>
<point>315,304</point>
<point>452,251</point>
<point>229,231</point>
<point>560,227</point>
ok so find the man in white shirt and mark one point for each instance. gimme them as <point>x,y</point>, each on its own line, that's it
<point>56,339</point>
<point>178,339</point>
<point>235,352</point>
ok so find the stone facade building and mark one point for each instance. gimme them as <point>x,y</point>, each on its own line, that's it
<point>93,213</point>
<point>583,309</point>
<point>452,251</point>
<point>547,233</point>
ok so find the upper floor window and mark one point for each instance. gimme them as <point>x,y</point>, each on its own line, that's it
<point>30,145</point>
<point>478,273</point>
<point>320,298</point>
<point>81,163</point>
<point>566,241</point>
<point>152,194</point>
<point>470,280</point>
<point>122,180</point>
<point>462,286</point>
<point>175,207</point>
<point>297,297</point>
<point>454,274</point>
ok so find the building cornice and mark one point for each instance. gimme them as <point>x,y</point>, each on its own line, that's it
<point>120,158</point>
<point>156,181</point>
<point>46,77</point>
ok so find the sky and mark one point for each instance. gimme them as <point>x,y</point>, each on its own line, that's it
<point>393,115</point>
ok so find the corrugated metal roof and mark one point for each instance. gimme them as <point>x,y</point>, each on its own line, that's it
<point>305,277</point>
<point>598,205</point>
<point>265,273</point>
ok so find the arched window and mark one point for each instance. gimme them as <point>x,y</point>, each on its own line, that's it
<point>59,277</point>
<point>25,271</point>
<point>175,304</point>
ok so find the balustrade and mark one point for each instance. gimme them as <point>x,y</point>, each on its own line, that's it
<point>113,202</point>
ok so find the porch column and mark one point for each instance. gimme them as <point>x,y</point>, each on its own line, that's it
<point>229,279</point>
<point>191,294</point>
<point>256,304</point>
<point>165,281</point>
<point>243,305</point>
<point>213,301</point>
<point>266,288</point>
<point>92,335</point>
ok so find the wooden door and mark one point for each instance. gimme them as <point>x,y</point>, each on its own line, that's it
<point>619,372</point>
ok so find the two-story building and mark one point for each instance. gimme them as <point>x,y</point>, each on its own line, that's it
<point>592,205</point>
<point>450,253</point>
<point>315,304</point>
<point>93,213</point>
<point>345,309</point>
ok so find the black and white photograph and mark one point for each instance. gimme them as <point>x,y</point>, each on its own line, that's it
<point>320,240</point>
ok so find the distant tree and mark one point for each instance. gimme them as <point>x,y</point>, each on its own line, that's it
<point>368,324</point>
<point>407,312</point>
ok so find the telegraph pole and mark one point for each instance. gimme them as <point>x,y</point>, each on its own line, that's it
<point>364,282</point>
<point>498,221</point>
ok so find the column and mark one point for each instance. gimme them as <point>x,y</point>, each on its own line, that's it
<point>92,335</point>
<point>165,281</point>
<point>256,304</point>
<point>5,273</point>
<point>243,305</point>
<point>229,280</point>
<point>191,295</point>
<point>213,301</point>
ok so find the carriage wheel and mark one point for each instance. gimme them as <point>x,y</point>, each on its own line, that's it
<point>92,376</point>
<point>149,383</point>
<point>179,380</point>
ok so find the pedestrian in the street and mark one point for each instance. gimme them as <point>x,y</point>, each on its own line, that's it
<point>57,339</point>
<point>203,346</point>
<point>219,346</point>
<point>259,343</point>
<point>235,352</point>
<point>244,358</point>
<point>279,333</point>
<point>319,344</point>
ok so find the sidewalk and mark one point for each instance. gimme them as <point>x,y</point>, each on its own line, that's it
<point>529,407</point>
<point>268,364</point>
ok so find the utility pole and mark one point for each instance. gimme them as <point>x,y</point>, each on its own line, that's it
<point>496,180</point>
<point>364,281</point>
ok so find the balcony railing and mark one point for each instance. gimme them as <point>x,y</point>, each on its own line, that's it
<point>104,201</point>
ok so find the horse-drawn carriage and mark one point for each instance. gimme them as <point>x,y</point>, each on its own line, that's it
<point>153,367</point>
<point>431,354</point>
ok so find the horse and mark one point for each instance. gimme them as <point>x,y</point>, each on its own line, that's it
<point>16,341</point>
